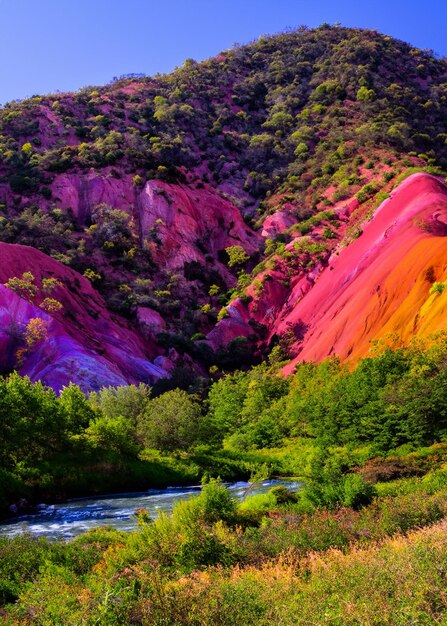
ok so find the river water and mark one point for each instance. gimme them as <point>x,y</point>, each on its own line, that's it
<point>63,521</point>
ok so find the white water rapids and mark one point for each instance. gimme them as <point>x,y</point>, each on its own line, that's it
<point>63,521</point>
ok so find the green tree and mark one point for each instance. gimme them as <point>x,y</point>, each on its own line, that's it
<point>32,428</point>
<point>225,401</point>
<point>113,433</point>
<point>75,409</point>
<point>365,95</point>
<point>25,286</point>
<point>128,401</point>
<point>236,256</point>
<point>171,422</point>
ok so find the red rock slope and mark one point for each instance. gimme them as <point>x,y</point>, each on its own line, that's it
<point>191,224</point>
<point>83,342</point>
<point>380,284</point>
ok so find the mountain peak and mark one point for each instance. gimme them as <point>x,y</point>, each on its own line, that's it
<point>282,149</point>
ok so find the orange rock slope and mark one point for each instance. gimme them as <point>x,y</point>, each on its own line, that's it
<point>380,285</point>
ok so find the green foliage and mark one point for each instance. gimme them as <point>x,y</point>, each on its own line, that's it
<point>128,401</point>
<point>214,290</point>
<point>365,95</point>
<point>356,491</point>
<point>171,422</point>
<point>395,398</point>
<point>112,433</point>
<point>92,275</point>
<point>223,313</point>
<point>260,503</point>
<point>246,406</point>
<point>33,426</point>
<point>27,149</point>
<point>437,288</point>
<point>25,286</point>
<point>330,486</point>
<point>236,256</point>
<point>264,545</point>
<point>216,503</point>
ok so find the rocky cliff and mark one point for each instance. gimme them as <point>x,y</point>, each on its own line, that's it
<point>201,218</point>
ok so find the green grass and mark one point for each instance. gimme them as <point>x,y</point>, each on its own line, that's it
<point>259,563</point>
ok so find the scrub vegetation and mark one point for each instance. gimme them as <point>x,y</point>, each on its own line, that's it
<point>304,121</point>
<point>367,443</point>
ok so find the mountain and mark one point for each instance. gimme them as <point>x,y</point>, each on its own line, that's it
<point>285,193</point>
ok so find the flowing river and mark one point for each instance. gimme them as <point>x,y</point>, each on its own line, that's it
<point>62,521</point>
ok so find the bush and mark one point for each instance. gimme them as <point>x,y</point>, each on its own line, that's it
<point>171,421</point>
<point>236,256</point>
<point>437,288</point>
<point>255,506</point>
<point>356,491</point>
<point>216,502</point>
<point>283,495</point>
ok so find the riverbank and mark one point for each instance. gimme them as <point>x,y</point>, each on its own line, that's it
<point>69,519</point>
<point>78,476</point>
<point>257,563</point>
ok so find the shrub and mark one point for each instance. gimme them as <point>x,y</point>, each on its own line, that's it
<point>236,256</point>
<point>365,95</point>
<point>258,504</point>
<point>171,421</point>
<point>437,288</point>
<point>356,491</point>
<point>216,502</point>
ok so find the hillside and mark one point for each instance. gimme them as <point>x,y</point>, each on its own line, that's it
<point>234,272</point>
<point>385,286</point>
<point>214,210</point>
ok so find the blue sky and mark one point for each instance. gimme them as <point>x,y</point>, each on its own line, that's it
<point>49,45</point>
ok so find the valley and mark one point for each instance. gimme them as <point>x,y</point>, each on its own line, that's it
<point>231,274</point>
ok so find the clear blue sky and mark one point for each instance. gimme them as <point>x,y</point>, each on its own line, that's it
<point>49,45</point>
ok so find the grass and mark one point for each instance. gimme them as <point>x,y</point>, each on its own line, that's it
<point>264,563</point>
<point>399,581</point>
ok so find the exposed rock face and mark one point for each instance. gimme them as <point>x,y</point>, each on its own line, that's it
<point>258,132</point>
<point>235,325</point>
<point>191,223</point>
<point>83,342</point>
<point>277,223</point>
<point>150,319</point>
<point>378,287</point>
<point>82,192</point>
<point>380,284</point>
<point>177,223</point>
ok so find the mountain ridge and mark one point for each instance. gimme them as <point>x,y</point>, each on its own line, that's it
<point>203,204</point>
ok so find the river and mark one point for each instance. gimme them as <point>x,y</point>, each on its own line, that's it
<point>68,519</point>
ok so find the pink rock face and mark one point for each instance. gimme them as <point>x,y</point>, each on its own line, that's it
<point>225,331</point>
<point>178,224</point>
<point>277,223</point>
<point>83,344</point>
<point>267,306</point>
<point>237,324</point>
<point>81,193</point>
<point>379,286</point>
<point>150,319</point>
<point>190,223</point>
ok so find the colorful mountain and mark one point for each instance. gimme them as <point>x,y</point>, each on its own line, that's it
<point>263,197</point>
